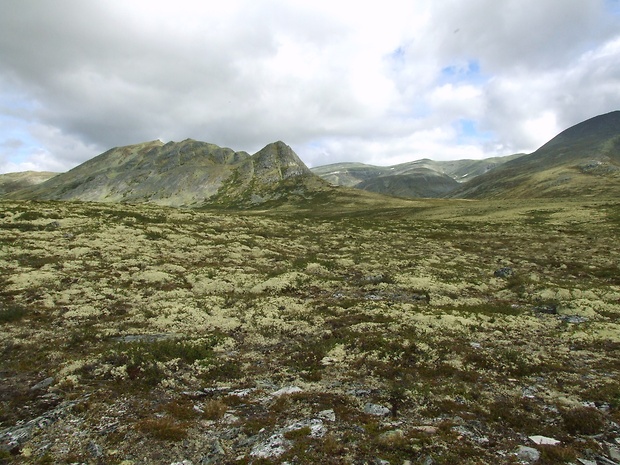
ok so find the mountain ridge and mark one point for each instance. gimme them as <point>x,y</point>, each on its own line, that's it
<point>584,159</point>
<point>581,160</point>
<point>186,173</point>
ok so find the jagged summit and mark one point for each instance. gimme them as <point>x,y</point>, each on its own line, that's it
<point>186,173</point>
<point>278,162</point>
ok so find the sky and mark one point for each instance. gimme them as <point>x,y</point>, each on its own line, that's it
<point>378,82</point>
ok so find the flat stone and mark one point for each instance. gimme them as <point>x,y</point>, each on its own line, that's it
<point>574,319</point>
<point>544,440</point>
<point>600,460</point>
<point>426,429</point>
<point>47,382</point>
<point>287,390</point>
<point>614,453</point>
<point>586,462</point>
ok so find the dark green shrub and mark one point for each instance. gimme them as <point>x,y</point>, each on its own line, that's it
<point>12,313</point>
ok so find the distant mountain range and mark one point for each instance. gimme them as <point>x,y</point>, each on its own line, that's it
<point>583,160</point>
<point>421,178</point>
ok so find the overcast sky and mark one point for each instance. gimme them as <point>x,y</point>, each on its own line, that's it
<point>380,82</point>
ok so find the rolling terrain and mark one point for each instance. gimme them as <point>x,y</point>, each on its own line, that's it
<point>11,182</point>
<point>283,319</point>
<point>417,179</point>
<point>429,331</point>
<point>583,160</point>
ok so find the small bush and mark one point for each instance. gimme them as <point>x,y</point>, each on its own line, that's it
<point>12,313</point>
<point>583,420</point>
<point>164,429</point>
<point>214,409</point>
<point>298,433</point>
<point>30,216</point>
<point>553,455</point>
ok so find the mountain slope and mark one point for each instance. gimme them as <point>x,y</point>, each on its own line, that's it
<point>420,178</point>
<point>582,160</point>
<point>275,173</point>
<point>11,182</point>
<point>187,173</point>
<point>423,182</point>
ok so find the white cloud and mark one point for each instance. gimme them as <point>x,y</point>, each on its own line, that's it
<point>370,81</point>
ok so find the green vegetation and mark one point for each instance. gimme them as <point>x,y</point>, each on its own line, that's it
<point>168,329</point>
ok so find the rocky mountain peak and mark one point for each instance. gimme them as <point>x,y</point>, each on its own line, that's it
<point>277,162</point>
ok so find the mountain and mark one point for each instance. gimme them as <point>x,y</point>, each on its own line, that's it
<point>187,173</point>
<point>583,160</point>
<point>420,178</point>
<point>422,183</point>
<point>11,182</point>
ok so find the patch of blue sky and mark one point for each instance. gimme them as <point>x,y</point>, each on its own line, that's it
<point>397,57</point>
<point>16,141</point>
<point>468,72</point>
<point>469,132</point>
<point>613,7</point>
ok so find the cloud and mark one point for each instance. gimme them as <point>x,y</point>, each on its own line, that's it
<point>374,82</point>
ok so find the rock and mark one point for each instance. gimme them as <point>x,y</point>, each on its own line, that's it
<point>53,225</point>
<point>381,462</point>
<point>328,415</point>
<point>543,440</point>
<point>613,452</point>
<point>428,460</point>
<point>184,462</point>
<point>586,462</point>
<point>47,382</point>
<point>549,309</point>
<point>600,460</point>
<point>574,319</point>
<point>505,272</point>
<point>274,446</point>
<point>242,392</point>
<point>472,433</point>
<point>391,436</point>
<point>426,429</point>
<point>215,455</point>
<point>376,410</point>
<point>527,454</point>
<point>317,429</point>
<point>287,390</point>
<point>13,438</point>
<point>94,449</point>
